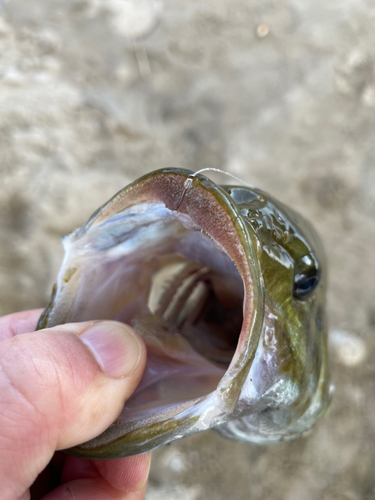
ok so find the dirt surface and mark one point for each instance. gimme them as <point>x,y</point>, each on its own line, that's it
<point>94,93</point>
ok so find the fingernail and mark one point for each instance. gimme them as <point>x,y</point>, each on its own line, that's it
<point>115,346</point>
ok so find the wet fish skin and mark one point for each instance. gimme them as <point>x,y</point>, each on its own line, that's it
<point>290,250</point>
<point>278,385</point>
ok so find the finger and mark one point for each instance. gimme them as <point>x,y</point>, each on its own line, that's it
<point>58,388</point>
<point>92,489</point>
<point>20,322</point>
<point>124,474</point>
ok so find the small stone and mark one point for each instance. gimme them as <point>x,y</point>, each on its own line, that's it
<point>262,30</point>
<point>130,18</point>
<point>174,460</point>
<point>349,349</point>
<point>13,77</point>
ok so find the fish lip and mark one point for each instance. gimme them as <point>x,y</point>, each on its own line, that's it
<point>168,186</point>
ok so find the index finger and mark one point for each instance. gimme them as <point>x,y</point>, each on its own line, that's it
<point>20,322</point>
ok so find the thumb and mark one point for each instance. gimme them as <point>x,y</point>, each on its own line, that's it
<point>60,387</point>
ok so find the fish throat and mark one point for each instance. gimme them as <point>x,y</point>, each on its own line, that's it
<point>189,310</point>
<point>202,304</point>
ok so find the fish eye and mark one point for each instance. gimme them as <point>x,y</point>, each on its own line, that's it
<point>305,285</point>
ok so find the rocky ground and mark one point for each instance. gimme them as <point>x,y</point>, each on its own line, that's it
<point>95,92</point>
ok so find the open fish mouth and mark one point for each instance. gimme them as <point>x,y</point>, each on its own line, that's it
<point>177,261</point>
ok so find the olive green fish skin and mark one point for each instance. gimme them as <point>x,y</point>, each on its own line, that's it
<point>289,326</point>
<point>286,239</point>
<point>290,249</point>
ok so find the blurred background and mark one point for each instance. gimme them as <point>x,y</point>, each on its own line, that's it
<point>94,93</point>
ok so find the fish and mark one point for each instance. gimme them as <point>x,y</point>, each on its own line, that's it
<point>227,288</point>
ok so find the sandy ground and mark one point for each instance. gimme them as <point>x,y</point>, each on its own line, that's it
<point>94,93</point>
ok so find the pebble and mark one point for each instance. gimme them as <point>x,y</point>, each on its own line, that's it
<point>349,348</point>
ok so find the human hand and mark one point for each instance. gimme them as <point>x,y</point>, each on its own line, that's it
<point>60,387</point>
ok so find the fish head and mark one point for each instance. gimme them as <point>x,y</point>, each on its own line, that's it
<point>222,301</point>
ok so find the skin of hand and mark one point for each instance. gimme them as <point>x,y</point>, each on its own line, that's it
<point>60,387</point>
